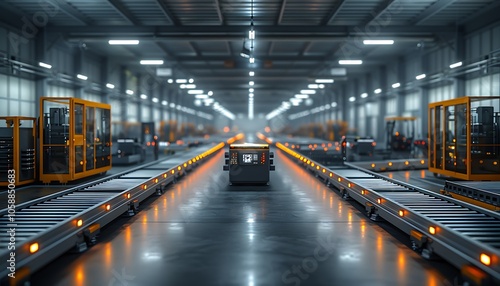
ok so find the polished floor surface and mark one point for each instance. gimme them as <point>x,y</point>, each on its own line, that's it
<point>296,231</point>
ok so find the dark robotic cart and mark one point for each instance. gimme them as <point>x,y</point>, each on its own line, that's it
<point>249,163</point>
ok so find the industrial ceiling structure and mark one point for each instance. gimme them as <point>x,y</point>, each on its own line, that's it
<point>296,42</point>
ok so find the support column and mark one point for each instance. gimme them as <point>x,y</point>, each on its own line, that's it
<point>41,82</point>
<point>382,83</point>
<point>104,66</point>
<point>122,93</point>
<point>78,69</point>
<point>400,93</point>
<point>459,81</point>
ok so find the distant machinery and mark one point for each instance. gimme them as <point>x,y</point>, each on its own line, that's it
<point>400,132</point>
<point>464,138</point>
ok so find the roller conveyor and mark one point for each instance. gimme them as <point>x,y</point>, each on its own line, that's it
<point>465,235</point>
<point>47,227</point>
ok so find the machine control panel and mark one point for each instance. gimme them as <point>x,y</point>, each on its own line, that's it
<point>249,163</point>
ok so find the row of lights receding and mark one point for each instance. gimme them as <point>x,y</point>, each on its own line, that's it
<point>298,98</point>
<point>397,84</point>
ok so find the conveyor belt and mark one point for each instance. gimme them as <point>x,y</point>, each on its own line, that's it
<point>47,227</point>
<point>484,194</point>
<point>465,235</point>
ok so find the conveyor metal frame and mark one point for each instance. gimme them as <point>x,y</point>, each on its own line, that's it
<point>459,250</point>
<point>66,234</point>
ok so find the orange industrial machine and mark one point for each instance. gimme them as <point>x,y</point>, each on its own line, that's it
<point>17,150</point>
<point>464,138</point>
<point>75,139</point>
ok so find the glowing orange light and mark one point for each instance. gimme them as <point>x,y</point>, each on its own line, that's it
<point>432,230</point>
<point>317,167</point>
<point>407,163</point>
<point>79,223</point>
<point>173,172</point>
<point>363,192</point>
<point>422,162</point>
<point>108,207</point>
<point>226,129</point>
<point>34,247</point>
<point>331,175</point>
<point>401,213</point>
<point>373,165</point>
<point>145,187</point>
<point>127,195</point>
<point>390,163</point>
<point>179,168</point>
<point>379,200</point>
<point>485,259</point>
<point>324,171</point>
<point>185,165</point>
<point>339,179</point>
<point>165,175</point>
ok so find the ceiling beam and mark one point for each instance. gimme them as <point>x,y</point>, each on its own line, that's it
<point>258,57</point>
<point>334,12</point>
<point>306,48</point>
<point>431,11</point>
<point>166,11</point>
<point>282,12</point>
<point>219,12</point>
<point>237,30</point>
<point>72,12</point>
<point>481,18</point>
<point>380,10</point>
<point>124,12</point>
<point>195,48</point>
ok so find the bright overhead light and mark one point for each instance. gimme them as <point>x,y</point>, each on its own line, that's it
<point>195,91</point>
<point>251,35</point>
<point>81,76</point>
<point>378,42</point>
<point>245,53</point>
<point>172,105</point>
<point>350,62</point>
<point>302,96</point>
<point>143,96</point>
<point>251,83</point>
<point>201,96</point>
<point>352,99</point>
<point>334,104</point>
<point>396,85</point>
<point>251,60</point>
<point>151,62</point>
<point>420,76</point>
<point>250,89</point>
<point>251,73</point>
<point>378,90</point>
<point>170,80</point>
<point>123,42</point>
<point>188,86</point>
<point>191,80</point>
<point>210,93</point>
<point>44,65</point>
<point>364,95</point>
<point>155,100</point>
<point>164,102</point>
<point>324,80</point>
<point>308,91</point>
<point>250,95</point>
<point>129,92</point>
<point>197,102</point>
<point>181,81</point>
<point>321,86</point>
<point>110,85</point>
<point>456,65</point>
<point>313,86</point>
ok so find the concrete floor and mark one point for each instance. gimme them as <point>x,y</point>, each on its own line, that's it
<point>295,231</point>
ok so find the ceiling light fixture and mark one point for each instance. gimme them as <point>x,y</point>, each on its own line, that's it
<point>110,85</point>
<point>151,62</point>
<point>455,65</point>
<point>251,73</point>
<point>308,91</point>
<point>250,90</point>
<point>123,42</point>
<point>195,91</point>
<point>44,65</point>
<point>324,80</point>
<point>181,81</point>
<point>364,95</point>
<point>378,42</point>
<point>129,92</point>
<point>251,83</point>
<point>251,60</point>
<point>302,96</point>
<point>420,76</point>
<point>350,62</point>
<point>82,77</point>
<point>378,90</point>
<point>396,85</point>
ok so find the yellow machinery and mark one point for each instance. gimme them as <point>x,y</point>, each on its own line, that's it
<point>17,150</point>
<point>75,139</point>
<point>464,138</point>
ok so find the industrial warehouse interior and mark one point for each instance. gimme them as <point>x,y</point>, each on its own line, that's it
<point>250,142</point>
